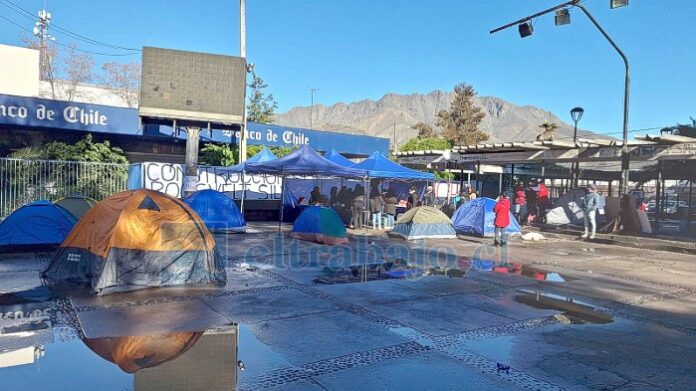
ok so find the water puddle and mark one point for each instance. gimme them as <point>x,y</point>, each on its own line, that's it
<point>573,312</point>
<point>121,346</point>
<point>517,268</point>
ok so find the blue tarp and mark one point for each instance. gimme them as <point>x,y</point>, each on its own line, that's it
<point>217,210</point>
<point>304,161</point>
<point>379,166</point>
<point>264,156</point>
<point>36,224</point>
<point>476,217</point>
<point>337,158</point>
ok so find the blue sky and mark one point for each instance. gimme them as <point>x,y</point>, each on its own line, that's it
<point>356,49</point>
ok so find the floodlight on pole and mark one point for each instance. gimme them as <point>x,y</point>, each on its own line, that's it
<point>525,29</point>
<point>625,158</point>
<point>617,3</point>
<point>562,17</point>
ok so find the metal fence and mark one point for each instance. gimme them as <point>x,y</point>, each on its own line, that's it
<point>23,181</point>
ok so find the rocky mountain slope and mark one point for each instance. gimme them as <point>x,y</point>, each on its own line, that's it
<point>504,121</point>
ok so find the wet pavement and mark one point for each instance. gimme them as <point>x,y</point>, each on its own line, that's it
<point>548,315</point>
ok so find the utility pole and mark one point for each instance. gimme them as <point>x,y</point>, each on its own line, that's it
<point>242,53</point>
<point>311,109</point>
<point>396,146</point>
<point>41,32</point>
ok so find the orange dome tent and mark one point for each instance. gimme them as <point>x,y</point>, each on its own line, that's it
<point>138,239</point>
<point>132,354</point>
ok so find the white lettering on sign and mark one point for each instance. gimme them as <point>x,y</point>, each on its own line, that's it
<point>290,137</point>
<point>169,178</point>
<point>13,111</point>
<point>75,114</point>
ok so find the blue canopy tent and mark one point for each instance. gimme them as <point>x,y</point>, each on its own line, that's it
<point>476,217</point>
<point>264,156</point>
<point>379,166</point>
<point>40,223</point>
<point>336,157</point>
<point>303,162</point>
<point>217,210</point>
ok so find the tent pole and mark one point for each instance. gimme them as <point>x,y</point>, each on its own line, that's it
<point>243,193</point>
<point>366,204</point>
<point>282,200</point>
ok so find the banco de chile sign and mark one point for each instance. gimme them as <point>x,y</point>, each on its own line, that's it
<point>60,115</point>
<point>47,113</point>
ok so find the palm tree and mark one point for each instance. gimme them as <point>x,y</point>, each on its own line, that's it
<point>548,133</point>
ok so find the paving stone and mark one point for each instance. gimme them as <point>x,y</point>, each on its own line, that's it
<point>373,292</point>
<point>439,316</point>
<point>256,307</point>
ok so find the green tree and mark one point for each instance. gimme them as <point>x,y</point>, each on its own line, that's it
<point>460,123</point>
<point>219,155</point>
<point>261,107</point>
<point>549,131</point>
<point>424,130</point>
<point>430,143</point>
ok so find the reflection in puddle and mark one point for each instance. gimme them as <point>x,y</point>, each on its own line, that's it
<point>573,311</point>
<point>157,351</point>
<point>518,269</point>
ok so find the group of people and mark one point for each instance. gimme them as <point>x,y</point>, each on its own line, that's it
<point>530,202</point>
<point>353,206</point>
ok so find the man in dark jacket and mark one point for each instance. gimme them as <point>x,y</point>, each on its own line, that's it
<point>413,198</point>
<point>358,206</point>
<point>376,204</point>
<point>390,202</point>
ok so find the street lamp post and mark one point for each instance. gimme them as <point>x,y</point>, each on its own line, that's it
<point>576,114</point>
<point>242,53</point>
<point>625,163</point>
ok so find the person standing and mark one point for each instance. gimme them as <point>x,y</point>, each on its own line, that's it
<point>429,198</point>
<point>543,201</point>
<point>376,205</point>
<point>390,202</point>
<point>358,206</point>
<point>520,201</point>
<point>460,199</point>
<point>531,197</point>
<point>471,194</point>
<point>502,219</point>
<point>590,203</point>
<point>413,199</point>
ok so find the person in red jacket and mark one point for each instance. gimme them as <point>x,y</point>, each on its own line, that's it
<point>520,201</point>
<point>502,219</point>
<point>542,200</point>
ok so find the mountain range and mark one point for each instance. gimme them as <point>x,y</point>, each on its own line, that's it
<point>395,114</point>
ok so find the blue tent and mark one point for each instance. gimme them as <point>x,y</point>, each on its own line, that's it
<point>304,161</point>
<point>379,166</point>
<point>40,223</point>
<point>336,157</point>
<point>476,217</point>
<point>321,225</point>
<point>217,210</point>
<point>263,156</point>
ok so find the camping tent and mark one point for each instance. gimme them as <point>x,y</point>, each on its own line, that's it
<point>337,158</point>
<point>138,239</point>
<point>424,222</point>
<point>379,166</point>
<point>76,205</point>
<point>568,209</point>
<point>217,210</point>
<point>321,225</point>
<point>134,353</point>
<point>39,223</point>
<point>476,217</point>
<point>304,161</point>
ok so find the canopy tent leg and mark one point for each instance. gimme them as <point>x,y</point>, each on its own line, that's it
<point>500,183</point>
<point>241,207</point>
<point>282,201</point>
<point>658,196</point>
